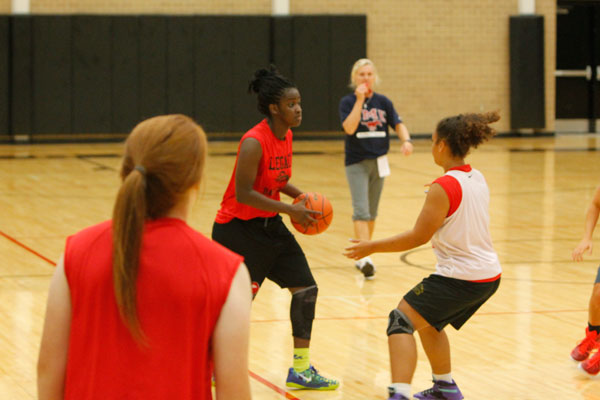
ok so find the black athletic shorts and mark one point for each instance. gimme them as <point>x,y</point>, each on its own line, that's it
<point>269,249</point>
<point>441,300</point>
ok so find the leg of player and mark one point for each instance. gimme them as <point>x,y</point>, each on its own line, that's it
<point>358,180</point>
<point>589,348</point>
<point>363,229</point>
<point>403,322</point>
<point>303,375</point>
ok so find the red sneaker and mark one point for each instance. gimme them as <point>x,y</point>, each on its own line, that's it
<point>583,349</point>
<point>591,366</point>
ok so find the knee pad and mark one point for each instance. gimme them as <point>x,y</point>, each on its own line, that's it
<point>399,323</point>
<point>302,311</point>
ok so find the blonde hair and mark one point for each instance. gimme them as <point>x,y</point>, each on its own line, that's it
<point>164,157</point>
<point>359,64</point>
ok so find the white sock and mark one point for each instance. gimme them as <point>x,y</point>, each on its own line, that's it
<point>365,260</point>
<point>443,377</point>
<point>402,388</point>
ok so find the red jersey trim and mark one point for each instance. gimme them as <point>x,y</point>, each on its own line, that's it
<point>463,168</point>
<point>495,278</point>
<point>453,191</point>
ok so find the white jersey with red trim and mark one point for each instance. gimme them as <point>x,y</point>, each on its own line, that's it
<point>463,245</point>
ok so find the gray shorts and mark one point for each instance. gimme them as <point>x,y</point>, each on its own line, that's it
<point>598,276</point>
<point>365,188</point>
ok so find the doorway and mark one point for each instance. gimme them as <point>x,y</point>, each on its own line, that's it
<point>577,66</point>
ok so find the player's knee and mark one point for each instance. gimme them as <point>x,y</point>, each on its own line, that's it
<point>302,311</point>
<point>361,215</point>
<point>399,323</point>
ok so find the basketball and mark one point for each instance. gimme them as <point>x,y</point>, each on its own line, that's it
<point>317,202</point>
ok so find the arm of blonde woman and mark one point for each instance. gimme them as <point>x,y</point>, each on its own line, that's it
<point>230,340</point>
<point>430,219</point>
<point>402,131</point>
<point>591,218</point>
<point>353,119</point>
<point>52,361</point>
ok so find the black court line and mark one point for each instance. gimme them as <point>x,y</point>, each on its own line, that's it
<point>404,259</point>
<point>99,166</point>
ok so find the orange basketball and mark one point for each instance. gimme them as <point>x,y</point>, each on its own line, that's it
<point>317,202</point>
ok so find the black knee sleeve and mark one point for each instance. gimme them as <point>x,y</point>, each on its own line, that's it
<point>399,323</point>
<point>302,311</point>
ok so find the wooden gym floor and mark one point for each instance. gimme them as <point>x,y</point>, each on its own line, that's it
<point>516,347</point>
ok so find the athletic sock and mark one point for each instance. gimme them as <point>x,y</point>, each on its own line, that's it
<point>402,388</point>
<point>594,328</point>
<point>443,377</point>
<point>301,359</point>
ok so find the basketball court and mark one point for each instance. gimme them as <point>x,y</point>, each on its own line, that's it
<point>516,347</point>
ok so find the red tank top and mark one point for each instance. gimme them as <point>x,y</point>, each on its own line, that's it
<point>183,282</point>
<point>274,172</point>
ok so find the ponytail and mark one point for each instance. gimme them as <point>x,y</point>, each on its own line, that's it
<point>164,157</point>
<point>465,131</point>
<point>129,215</point>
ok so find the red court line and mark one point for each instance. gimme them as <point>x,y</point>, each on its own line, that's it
<point>272,386</point>
<point>29,249</point>
<point>252,374</point>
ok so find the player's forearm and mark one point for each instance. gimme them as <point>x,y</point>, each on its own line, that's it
<point>402,132</point>
<point>257,200</point>
<point>351,122</point>
<point>591,219</point>
<point>291,190</point>
<point>401,242</point>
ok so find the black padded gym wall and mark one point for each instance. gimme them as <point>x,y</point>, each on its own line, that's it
<point>52,83</point>
<point>153,66</point>
<point>213,59</point>
<point>180,65</point>
<point>282,45</point>
<point>125,83</point>
<point>21,73</point>
<point>311,60</point>
<point>251,50</point>
<point>348,44</point>
<point>91,111</point>
<point>103,74</point>
<point>527,89</point>
<point>4,72</point>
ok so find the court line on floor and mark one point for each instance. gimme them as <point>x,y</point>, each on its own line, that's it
<point>29,249</point>
<point>276,388</point>
<point>252,374</point>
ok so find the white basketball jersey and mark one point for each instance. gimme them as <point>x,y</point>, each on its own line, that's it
<point>463,245</point>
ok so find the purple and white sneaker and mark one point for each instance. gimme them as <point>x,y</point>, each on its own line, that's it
<point>441,390</point>
<point>395,396</point>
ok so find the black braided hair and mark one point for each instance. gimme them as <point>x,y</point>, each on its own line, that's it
<point>269,85</point>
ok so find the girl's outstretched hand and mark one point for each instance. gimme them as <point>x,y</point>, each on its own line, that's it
<point>360,249</point>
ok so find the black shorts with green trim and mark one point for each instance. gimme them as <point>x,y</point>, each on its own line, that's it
<point>441,300</point>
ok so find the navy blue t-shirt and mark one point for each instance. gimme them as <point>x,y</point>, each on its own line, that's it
<point>371,138</point>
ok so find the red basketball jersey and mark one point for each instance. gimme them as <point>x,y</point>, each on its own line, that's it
<point>183,282</point>
<point>274,172</point>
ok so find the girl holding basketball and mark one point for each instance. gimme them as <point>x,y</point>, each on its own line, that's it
<point>455,218</point>
<point>365,117</point>
<point>249,223</point>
